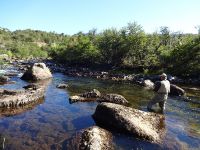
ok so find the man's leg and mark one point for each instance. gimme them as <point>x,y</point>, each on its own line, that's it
<point>154,100</point>
<point>163,102</point>
<point>162,105</point>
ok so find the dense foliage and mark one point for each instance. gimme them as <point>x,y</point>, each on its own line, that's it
<point>130,47</point>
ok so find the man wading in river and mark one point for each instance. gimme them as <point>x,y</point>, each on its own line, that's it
<point>162,88</point>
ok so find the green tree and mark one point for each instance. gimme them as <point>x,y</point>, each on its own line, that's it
<point>112,47</point>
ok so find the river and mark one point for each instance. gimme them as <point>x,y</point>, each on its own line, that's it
<point>53,121</point>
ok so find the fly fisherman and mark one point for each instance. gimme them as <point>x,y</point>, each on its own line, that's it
<point>162,88</point>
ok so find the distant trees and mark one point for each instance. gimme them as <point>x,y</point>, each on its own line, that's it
<point>112,48</point>
<point>78,50</point>
<point>136,45</point>
<point>129,47</point>
<point>187,58</point>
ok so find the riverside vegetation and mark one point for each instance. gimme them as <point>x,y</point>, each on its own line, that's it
<point>129,48</point>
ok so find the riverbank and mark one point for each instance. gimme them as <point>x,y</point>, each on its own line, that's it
<point>117,74</point>
<point>114,74</point>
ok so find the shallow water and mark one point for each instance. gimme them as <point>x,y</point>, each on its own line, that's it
<point>51,122</point>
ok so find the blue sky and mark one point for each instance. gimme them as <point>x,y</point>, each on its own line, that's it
<point>72,16</point>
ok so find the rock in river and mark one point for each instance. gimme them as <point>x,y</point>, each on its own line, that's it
<point>148,84</point>
<point>95,95</point>
<point>113,98</point>
<point>4,79</point>
<point>37,71</point>
<point>91,94</point>
<point>76,98</point>
<point>96,138</point>
<point>85,97</point>
<point>145,125</point>
<point>62,86</point>
<point>15,98</point>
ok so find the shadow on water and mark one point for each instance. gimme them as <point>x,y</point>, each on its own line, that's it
<point>52,122</point>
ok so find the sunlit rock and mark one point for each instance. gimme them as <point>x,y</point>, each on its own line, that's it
<point>91,94</point>
<point>37,71</point>
<point>96,138</point>
<point>113,98</point>
<point>15,98</point>
<point>92,138</point>
<point>20,109</point>
<point>85,97</point>
<point>76,98</point>
<point>148,84</point>
<point>144,125</point>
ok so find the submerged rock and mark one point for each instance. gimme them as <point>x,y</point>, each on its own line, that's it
<point>15,98</point>
<point>31,87</point>
<point>113,98</point>
<point>96,138</point>
<point>175,90</point>
<point>37,71</point>
<point>20,109</point>
<point>145,125</point>
<point>95,95</point>
<point>62,86</point>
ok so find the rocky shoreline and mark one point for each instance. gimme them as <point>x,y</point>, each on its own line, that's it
<point>120,77</point>
<point>23,66</point>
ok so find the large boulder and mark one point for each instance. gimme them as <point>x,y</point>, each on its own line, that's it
<point>175,90</point>
<point>37,71</point>
<point>113,98</point>
<point>145,125</point>
<point>96,138</point>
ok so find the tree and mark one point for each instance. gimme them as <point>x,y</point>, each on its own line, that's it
<point>111,45</point>
<point>136,44</point>
<point>187,59</point>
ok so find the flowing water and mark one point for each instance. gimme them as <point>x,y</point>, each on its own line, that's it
<point>50,123</point>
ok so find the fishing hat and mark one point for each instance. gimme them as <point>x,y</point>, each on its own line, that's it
<point>163,75</point>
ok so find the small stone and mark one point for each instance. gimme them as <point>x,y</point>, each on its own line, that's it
<point>62,86</point>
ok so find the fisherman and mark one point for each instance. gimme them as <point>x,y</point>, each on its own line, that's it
<point>162,88</point>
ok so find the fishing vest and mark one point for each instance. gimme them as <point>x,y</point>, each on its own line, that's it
<point>164,87</point>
